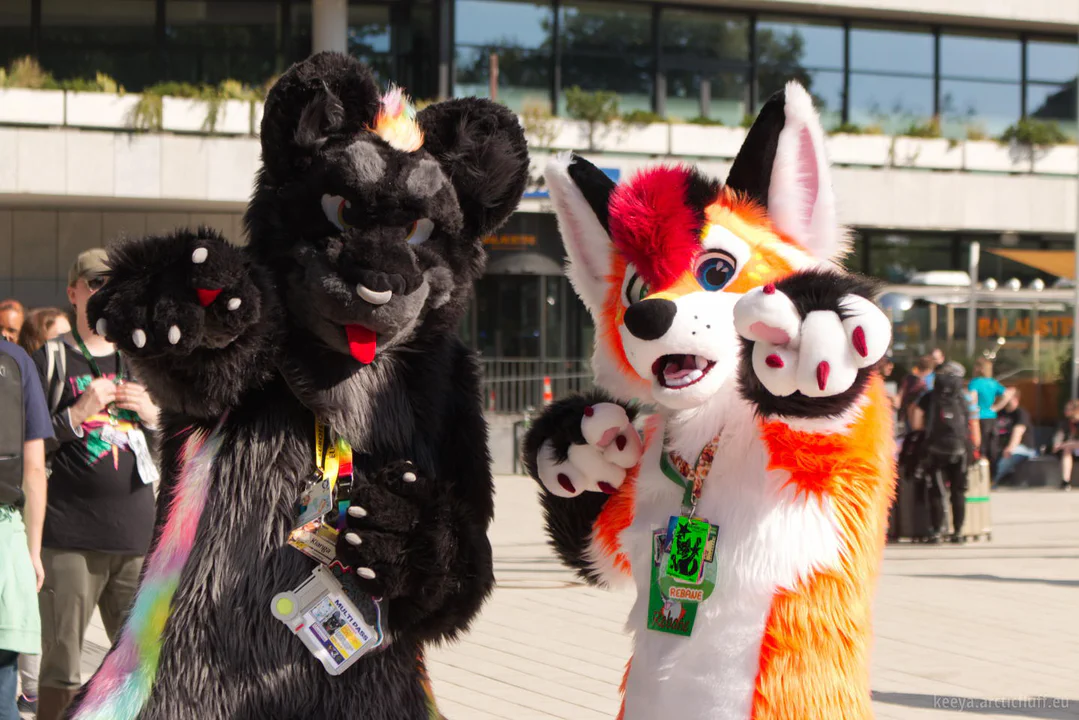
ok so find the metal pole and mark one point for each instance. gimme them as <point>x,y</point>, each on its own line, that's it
<point>1075,307</point>
<point>972,308</point>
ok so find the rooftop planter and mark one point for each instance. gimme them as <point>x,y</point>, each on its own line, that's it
<point>20,106</point>
<point>100,110</point>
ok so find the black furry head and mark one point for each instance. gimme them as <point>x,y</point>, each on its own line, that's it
<point>347,214</point>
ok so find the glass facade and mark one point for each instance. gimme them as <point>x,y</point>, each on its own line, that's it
<point>605,46</point>
<point>891,77</point>
<point>705,61</point>
<point>811,53</point>
<point>1051,82</point>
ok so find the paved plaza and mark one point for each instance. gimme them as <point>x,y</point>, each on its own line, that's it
<point>986,630</point>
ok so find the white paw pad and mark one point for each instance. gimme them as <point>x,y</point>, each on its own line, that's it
<point>612,447</point>
<point>824,353</point>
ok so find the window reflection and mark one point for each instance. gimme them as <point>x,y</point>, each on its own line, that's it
<point>116,37</point>
<point>896,257</point>
<point>608,47</point>
<point>208,42</point>
<point>1051,67</point>
<point>519,33</point>
<point>812,54</point>
<point>891,78</point>
<point>981,58</point>
<point>990,107</point>
<point>14,30</point>
<point>706,62</point>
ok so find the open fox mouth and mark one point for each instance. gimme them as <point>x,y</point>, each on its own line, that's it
<point>681,371</point>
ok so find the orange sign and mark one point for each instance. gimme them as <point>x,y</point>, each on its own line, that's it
<point>1051,326</point>
<point>509,242</point>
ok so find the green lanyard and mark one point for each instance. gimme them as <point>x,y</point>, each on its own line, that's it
<point>92,361</point>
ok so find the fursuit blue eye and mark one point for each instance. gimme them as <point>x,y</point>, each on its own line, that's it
<point>714,270</point>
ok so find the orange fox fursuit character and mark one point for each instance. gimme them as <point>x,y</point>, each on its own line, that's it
<point>750,516</point>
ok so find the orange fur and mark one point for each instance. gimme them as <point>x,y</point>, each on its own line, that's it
<point>814,661</point>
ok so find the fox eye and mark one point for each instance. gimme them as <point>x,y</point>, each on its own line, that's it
<point>334,207</point>
<point>634,288</point>
<point>714,270</point>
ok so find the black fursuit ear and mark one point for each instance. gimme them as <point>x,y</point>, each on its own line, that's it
<point>751,172</point>
<point>328,95</point>
<point>481,146</point>
<point>594,185</point>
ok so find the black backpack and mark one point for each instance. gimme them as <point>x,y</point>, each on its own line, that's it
<point>947,433</point>
<point>12,429</point>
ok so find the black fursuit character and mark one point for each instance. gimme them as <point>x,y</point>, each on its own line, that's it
<point>366,230</point>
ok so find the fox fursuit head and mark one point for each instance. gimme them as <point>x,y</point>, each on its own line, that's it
<point>723,308</point>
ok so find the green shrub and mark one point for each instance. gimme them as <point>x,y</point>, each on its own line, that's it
<point>701,120</point>
<point>928,129</point>
<point>848,128</point>
<point>27,73</point>
<point>642,117</point>
<point>146,115</point>
<point>595,108</point>
<point>747,120</point>
<point>100,83</point>
<point>1034,133</point>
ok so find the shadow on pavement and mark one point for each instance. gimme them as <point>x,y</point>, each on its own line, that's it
<point>997,578</point>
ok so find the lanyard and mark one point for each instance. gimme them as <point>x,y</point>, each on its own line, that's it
<point>92,361</point>
<point>333,462</point>
<point>689,477</point>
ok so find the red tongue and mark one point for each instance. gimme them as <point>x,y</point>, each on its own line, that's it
<point>361,343</point>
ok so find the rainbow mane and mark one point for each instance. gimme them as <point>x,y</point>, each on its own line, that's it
<point>396,122</point>
<point>120,689</point>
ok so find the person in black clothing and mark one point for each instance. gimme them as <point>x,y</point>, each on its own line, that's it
<point>1016,432</point>
<point>942,415</point>
<point>100,512</point>
<point>1066,442</point>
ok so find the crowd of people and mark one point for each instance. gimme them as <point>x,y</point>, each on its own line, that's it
<point>87,430</point>
<point>954,422</point>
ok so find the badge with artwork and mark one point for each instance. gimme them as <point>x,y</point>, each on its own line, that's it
<point>683,573</point>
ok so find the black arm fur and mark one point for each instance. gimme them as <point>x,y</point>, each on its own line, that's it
<point>569,521</point>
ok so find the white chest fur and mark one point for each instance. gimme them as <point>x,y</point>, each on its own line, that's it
<point>770,537</point>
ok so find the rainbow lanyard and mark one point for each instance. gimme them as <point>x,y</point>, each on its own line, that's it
<point>333,463</point>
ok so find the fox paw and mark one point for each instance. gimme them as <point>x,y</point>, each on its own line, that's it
<point>810,342</point>
<point>582,446</point>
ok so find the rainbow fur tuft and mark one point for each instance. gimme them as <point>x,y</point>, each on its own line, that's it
<point>396,122</point>
<point>120,689</point>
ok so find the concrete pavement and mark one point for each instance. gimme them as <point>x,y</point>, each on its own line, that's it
<point>989,630</point>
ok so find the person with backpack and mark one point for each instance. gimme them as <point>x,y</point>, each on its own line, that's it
<point>101,496</point>
<point>943,416</point>
<point>23,432</point>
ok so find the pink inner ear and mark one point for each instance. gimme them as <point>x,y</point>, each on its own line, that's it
<point>808,175</point>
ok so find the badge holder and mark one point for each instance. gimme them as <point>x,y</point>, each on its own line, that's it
<point>338,626</point>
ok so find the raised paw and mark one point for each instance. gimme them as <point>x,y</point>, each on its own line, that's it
<point>172,295</point>
<point>813,335</point>
<point>581,446</point>
<point>390,517</point>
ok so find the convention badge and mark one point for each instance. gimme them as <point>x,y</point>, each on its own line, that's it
<point>144,461</point>
<point>315,501</point>
<point>316,540</point>
<point>686,549</point>
<point>672,603</point>
<point>326,618</point>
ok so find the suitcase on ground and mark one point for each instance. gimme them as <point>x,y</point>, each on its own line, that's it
<point>910,518</point>
<point>977,523</point>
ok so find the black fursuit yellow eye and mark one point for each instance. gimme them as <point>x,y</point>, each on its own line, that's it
<point>334,207</point>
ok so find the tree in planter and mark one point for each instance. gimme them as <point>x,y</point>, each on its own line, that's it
<point>26,73</point>
<point>540,125</point>
<point>147,114</point>
<point>596,109</point>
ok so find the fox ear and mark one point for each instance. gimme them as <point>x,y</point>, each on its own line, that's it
<point>580,193</point>
<point>782,165</point>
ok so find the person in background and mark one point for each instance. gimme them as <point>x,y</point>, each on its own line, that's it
<point>1017,436</point>
<point>1066,442</point>
<point>42,325</point>
<point>22,516</point>
<point>936,359</point>
<point>990,397</point>
<point>891,388</point>
<point>913,387</point>
<point>101,497</point>
<point>943,415</point>
<point>12,316</point>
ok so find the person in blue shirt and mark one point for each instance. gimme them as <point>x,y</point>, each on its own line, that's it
<point>936,357</point>
<point>22,517</point>
<point>990,396</point>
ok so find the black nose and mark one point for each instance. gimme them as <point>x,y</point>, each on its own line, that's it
<point>650,319</point>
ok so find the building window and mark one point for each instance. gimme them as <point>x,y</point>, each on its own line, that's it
<point>520,34</point>
<point>896,257</point>
<point>116,37</point>
<point>812,54</point>
<point>208,42</point>
<point>607,47</point>
<point>980,85</point>
<point>891,78</point>
<point>705,59</point>
<point>14,31</point>
<point>1051,83</point>
<point>369,38</point>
